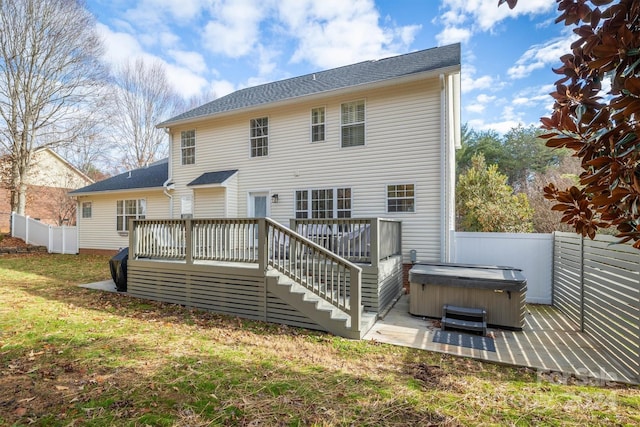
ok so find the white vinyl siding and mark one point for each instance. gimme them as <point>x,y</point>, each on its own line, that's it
<point>209,203</point>
<point>403,145</point>
<point>352,123</point>
<point>317,124</point>
<point>188,146</point>
<point>100,231</point>
<point>401,198</point>
<point>259,137</point>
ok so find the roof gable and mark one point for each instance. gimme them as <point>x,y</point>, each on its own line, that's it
<point>337,78</point>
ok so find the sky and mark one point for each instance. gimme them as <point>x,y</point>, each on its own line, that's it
<point>213,47</point>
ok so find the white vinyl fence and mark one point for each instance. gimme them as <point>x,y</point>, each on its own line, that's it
<point>530,252</point>
<point>61,240</point>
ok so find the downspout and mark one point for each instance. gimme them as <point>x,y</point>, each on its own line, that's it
<point>165,185</point>
<point>444,197</point>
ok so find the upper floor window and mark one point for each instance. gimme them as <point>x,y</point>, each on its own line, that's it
<point>323,203</point>
<point>352,123</point>
<point>260,137</point>
<point>188,146</point>
<point>401,198</point>
<point>317,124</point>
<point>129,209</point>
<point>86,209</point>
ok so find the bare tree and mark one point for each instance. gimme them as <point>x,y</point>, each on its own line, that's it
<point>142,98</point>
<point>49,74</point>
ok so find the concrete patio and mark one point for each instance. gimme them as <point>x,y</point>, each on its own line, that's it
<point>549,343</point>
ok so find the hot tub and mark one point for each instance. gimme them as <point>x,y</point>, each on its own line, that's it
<point>500,291</point>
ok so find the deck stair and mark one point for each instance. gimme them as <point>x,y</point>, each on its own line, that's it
<point>323,313</point>
<point>464,319</point>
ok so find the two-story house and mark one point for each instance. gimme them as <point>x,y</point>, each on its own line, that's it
<point>372,139</point>
<point>298,201</point>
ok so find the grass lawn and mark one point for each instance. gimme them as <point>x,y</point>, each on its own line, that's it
<point>71,356</point>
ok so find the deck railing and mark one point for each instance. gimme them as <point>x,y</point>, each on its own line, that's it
<point>253,240</point>
<point>361,240</point>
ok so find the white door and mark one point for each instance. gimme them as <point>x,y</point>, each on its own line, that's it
<point>258,207</point>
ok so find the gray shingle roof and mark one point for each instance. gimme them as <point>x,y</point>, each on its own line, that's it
<point>212,177</point>
<point>323,81</point>
<point>152,176</point>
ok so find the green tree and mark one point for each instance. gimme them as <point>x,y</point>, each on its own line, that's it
<point>602,129</point>
<point>485,202</point>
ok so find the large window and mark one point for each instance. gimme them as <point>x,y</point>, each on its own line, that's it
<point>86,210</point>
<point>352,121</point>
<point>317,124</point>
<point>188,146</point>
<point>401,198</point>
<point>323,203</point>
<point>129,209</point>
<point>260,137</point>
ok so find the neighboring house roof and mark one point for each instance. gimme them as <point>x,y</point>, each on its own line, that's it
<point>152,176</point>
<point>338,78</point>
<point>210,178</point>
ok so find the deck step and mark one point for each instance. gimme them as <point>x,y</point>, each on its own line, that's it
<point>464,319</point>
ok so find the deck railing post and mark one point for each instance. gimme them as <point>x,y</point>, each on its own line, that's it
<point>262,244</point>
<point>355,300</point>
<point>132,238</point>
<point>188,241</point>
<point>375,241</point>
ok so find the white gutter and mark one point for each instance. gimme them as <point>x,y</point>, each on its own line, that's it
<point>165,185</point>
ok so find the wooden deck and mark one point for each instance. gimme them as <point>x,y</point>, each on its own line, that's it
<point>550,343</point>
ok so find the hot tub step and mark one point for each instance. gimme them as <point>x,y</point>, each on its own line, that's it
<point>466,325</point>
<point>464,318</point>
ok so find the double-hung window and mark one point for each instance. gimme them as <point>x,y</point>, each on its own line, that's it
<point>317,124</point>
<point>129,209</point>
<point>86,210</point>
<point>352,123</point>
<point>401,198</point>
<point>188,146</point>
<point>260,137</point>
<point>323,203</point>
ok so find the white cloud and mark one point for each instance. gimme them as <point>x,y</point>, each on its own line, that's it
<point>188,59</point>
<point>121,47</point>
<point>454,35</point>
<point>332,33</point>
<point>235,29</point>
<point>541,55</point>
<point>221,88</point>
<point>469,82</point>
<point>484,15</point>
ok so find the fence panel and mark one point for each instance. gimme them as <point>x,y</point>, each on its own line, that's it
<point>56,239</point>
<point>530,252</point>
<point>567,273</point>
<point>612,298</point>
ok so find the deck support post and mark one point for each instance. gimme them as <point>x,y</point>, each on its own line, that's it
<point>262,244</point>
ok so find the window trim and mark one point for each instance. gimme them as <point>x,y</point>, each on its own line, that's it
<point>252,138</point>
<point>323,124</point>
<point>308,201</point>
<point>387,199</point>
<point>184,148</point>
<point>139,202</point>
<point>363,123</point>
<point>83,210</point>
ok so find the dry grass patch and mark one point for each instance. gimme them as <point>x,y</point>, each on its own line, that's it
<point>71,356</point>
